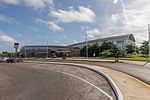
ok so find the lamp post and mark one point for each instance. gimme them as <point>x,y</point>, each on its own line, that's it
<point>149,39</point>
<point>99,45</point>
<point>47,49</point>
<point>86,46</point>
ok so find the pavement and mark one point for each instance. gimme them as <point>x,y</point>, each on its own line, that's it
<point>131,88</point>
<point>36,81</point>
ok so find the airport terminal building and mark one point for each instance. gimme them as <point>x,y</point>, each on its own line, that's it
<point>120,41</point>
<point>46,51</point>
<point>73,50</point>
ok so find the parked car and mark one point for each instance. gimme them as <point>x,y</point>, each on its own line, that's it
<point>3,59</point>
<point>10,60</point>
<point>14,60</point>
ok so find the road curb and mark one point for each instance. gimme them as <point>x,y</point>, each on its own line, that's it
<point>114,87</point>
<point>96,61</point>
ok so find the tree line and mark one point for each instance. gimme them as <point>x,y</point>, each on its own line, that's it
<point>108,49</point>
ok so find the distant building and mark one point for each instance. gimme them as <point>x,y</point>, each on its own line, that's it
<point>120,41</point>
<point>46,51</point>
<point>74,50</point>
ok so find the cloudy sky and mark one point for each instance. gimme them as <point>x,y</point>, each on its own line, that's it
<point>63,22</point>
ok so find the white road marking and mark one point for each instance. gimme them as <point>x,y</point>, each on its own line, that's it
<point>88,83</point>
<point>77,78</point>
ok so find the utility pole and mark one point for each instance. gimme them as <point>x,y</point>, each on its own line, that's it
<point>25,54</point>
<point>47,49</point>
<point>99,45</point>
<point>149,39</point>
<point>86,46</point>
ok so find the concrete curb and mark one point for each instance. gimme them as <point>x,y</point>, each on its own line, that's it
<point>114,87</point>
<point>95,61</point>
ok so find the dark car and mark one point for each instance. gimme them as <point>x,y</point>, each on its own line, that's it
<point>10,60</point>
<point>14,60</point>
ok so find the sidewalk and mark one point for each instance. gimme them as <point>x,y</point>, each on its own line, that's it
<point>93,60</point>
<point>142,63</point>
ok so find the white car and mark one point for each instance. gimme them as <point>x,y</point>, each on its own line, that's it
<point>3,59</point>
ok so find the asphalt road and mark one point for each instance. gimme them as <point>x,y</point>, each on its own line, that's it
<point>136,70</point>
<point>31,81</point>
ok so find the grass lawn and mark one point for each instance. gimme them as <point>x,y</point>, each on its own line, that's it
<point>139,58</point>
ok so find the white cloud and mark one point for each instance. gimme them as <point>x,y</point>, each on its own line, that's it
<point>75,41</point>
<point>6,19</point>
<point>13,2</point>
<point>138,18</point>
<point>6,38</point>
<point>92,34</point>
<point>115,18</point>
<point>133,19</point>
<point>83,15</point>
<point>51,25</point>
<point>115,1</point>
<point>36,4</point>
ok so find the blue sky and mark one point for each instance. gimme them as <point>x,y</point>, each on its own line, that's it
<point>63,22</point>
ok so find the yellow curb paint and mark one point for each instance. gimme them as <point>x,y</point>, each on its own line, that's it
<point>146,85</point>
<point>139,81</point>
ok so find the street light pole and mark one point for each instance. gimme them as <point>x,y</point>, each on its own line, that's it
<point>99,45</point>
<point>149,39</point>
<point>86,46</point>
<point>25,54</point>
<point>47,49</point>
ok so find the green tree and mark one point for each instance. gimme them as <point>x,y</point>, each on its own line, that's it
<point>53,55</point>
<point>18,54</point>
<point>144,48</point>
<point>137,50</point>
<point>107,52</point>
<point>106,45</point>
<point>83,50</point>
<point>130,49</point>
<point>23,55</point>
<point>93,49</point>
<point>5,53</point>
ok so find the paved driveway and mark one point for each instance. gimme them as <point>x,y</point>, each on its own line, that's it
<point>31,81</point>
